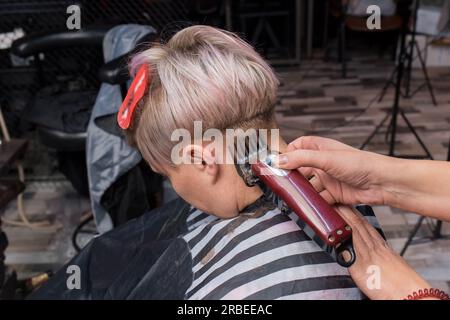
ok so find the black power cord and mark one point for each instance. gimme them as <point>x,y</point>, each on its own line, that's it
<point>79,229</point>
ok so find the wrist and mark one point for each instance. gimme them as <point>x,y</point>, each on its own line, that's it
<point>402,292</point>
<point>389,179</point>
<point>428,294</point>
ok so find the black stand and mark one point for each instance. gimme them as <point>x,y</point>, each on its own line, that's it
<point>342,40</point>
<point>392,129</point>
<point>396,109</point>
<point>410,57</point>
<point>437,233</point>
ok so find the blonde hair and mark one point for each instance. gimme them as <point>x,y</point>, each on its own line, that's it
<point>201,74</point>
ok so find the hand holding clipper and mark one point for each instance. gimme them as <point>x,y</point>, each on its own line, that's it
<point>321,222</point>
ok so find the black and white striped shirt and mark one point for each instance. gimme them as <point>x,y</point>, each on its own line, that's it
<point>264,257</point>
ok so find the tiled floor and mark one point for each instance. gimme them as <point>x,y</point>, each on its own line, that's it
<point>314,99</point>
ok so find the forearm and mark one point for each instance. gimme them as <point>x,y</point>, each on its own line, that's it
<point>421,186</point>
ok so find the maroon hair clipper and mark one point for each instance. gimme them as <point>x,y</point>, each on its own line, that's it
<point>293,191</point>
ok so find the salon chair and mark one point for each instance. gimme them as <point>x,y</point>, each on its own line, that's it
<point>61,108</point>
<point>81,135</point>
<point>122,186</point>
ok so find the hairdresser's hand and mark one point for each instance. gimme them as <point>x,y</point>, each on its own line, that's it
<point>342,174</point>
<point>378,271</point>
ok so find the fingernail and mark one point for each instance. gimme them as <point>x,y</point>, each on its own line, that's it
<point>281,159</point>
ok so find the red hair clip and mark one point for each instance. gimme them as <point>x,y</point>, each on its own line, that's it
<point>134,95</point>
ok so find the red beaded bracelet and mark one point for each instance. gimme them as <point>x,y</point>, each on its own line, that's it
<point>428,293</point>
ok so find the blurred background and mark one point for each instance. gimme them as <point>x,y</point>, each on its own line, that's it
<point>65,176</point>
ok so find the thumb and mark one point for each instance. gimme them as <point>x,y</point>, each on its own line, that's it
<point>318,159</point>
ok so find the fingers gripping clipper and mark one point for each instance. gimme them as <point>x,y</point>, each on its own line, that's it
<point>290,190</point>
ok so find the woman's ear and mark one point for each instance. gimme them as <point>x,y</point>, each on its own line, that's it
<point>202,159</point>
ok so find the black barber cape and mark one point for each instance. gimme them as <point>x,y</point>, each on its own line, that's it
<point>179,252</point>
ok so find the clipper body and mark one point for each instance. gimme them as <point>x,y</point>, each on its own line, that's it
<point>318,219</point>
